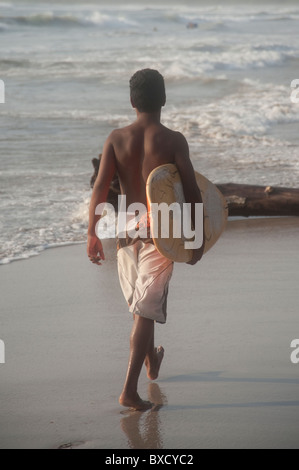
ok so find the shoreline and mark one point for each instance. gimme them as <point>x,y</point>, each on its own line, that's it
<point>66,331</point>
<point>230,218</point>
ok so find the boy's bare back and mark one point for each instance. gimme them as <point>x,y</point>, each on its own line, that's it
<point>138,149</point>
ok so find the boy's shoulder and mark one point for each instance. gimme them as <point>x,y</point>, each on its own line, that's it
<point>118,134</point>
<point>121,133</point>
<point>177,135</point>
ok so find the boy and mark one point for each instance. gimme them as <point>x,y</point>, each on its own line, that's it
<point>133,152</point>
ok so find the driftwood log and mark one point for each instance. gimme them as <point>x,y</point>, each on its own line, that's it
<point>243,199</point>
<point>114,189</point>
<point>248,200</point>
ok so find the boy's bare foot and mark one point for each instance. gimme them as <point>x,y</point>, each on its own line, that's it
<point>135,403</point>
<point>153,367</point>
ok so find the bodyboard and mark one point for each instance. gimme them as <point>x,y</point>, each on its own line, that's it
<point>164,185</point>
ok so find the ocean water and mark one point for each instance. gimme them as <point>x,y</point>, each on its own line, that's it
<point>228,69</point>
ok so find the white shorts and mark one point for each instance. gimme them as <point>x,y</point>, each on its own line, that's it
<point>144,276</point>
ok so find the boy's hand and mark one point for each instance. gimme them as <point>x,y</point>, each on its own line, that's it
<point>95,249</point>
<point>196,256</point>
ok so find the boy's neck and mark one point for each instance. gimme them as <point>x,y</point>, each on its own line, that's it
<point>149,118</point>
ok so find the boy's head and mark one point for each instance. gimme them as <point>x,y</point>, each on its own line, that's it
<point>147,91</point>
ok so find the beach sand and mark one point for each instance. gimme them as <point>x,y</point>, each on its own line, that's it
<point>227,380</point>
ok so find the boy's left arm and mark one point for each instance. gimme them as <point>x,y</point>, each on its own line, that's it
<point>191,190</point>
<point>99,195</point>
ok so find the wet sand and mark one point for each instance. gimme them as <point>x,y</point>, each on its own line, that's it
<point>226,381</point>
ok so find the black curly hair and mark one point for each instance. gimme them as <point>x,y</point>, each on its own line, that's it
<point>147,90</point>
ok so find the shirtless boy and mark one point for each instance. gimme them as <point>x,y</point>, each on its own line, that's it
<point>133,152</point>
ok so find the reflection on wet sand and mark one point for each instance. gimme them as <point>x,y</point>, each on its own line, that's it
<point>143,429</point>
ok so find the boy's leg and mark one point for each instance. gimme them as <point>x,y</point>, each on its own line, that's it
<point>141,350</point>
<point>153,360</point>
<point>144,276</point>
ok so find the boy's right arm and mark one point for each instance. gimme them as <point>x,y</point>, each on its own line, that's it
<point>100,191</point>
<point>191,190</point>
